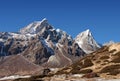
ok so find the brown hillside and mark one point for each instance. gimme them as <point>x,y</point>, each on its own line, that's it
<point>105,62</point>
<point>17,65</point>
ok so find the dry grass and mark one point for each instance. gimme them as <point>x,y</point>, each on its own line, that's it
<point>112,69</point>
<point>112,51</point>
<point>86,71</point>
<point>116,60</point>
<point>87,63</point>
<point>78,71</point>
<point>117,54</point>
<point>104,57</point>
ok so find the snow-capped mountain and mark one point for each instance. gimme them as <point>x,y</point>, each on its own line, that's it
<point>86,41</point>
<point>35,27</point>
<point>39,42</point>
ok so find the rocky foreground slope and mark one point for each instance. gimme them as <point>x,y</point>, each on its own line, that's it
<point>101,65</point>
<point>105,62</point>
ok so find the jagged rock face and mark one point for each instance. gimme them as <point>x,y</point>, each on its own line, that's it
<point>86,41</point>
<point>65,55</point>
<point>12,47</point>
<point>105,62</point>
<point>41,44</point>
<point>37,51</point>
<point>13,43</point>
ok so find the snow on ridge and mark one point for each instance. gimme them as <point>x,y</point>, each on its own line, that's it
<point>84,33</point>
<point>44,20</point>
<point>14,77</point>
<point>46,45</point>
<point>58,30</point>
<point>1,40</point>
<point>22,36</point>
<point>86,41</point>
<point>34,27</point>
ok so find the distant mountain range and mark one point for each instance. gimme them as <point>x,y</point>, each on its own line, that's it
<point>41,44</point>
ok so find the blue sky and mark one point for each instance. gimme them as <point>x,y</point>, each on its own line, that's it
<point>102,17</point>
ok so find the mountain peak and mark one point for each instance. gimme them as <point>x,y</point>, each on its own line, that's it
<point>84,34</point>
<point>87,32</point>
<point>86,41</point>
<point>34,27</point>
<point>44,20</point>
